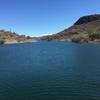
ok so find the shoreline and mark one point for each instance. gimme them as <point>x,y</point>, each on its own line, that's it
<point>22,42</point>
<point>16,42</point>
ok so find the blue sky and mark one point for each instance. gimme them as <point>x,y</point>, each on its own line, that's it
<point>39,17</point>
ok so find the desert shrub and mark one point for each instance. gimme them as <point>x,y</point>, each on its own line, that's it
<point>2,41</point>
<point>28,37</point>
<point>94,36</point>
<point>76,38</point>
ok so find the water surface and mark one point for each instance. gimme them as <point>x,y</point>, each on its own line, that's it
<point>50,71</point>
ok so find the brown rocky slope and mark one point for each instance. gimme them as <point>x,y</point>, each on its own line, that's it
<point>86,29</point>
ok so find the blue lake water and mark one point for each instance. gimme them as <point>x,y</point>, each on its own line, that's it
<point>50,71</point>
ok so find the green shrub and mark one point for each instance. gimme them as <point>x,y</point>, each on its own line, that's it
<point>77,38</point>
<point>94,36</point>
<point>28,37</point>
<point>2,41</point>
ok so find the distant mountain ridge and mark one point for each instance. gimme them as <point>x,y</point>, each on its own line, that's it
<point>86,29</point>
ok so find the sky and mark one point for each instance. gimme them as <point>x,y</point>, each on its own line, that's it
<point>43,17</point>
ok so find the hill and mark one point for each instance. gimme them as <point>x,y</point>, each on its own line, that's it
<point>85,30</point>
<point>7,37</point>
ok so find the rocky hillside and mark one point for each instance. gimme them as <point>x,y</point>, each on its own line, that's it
<point>86,29</point>
<point>7,37</point>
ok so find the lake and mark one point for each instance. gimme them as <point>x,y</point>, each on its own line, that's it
<point>50,71</point>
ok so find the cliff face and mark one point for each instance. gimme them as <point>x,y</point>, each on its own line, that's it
<point>86,29</point>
